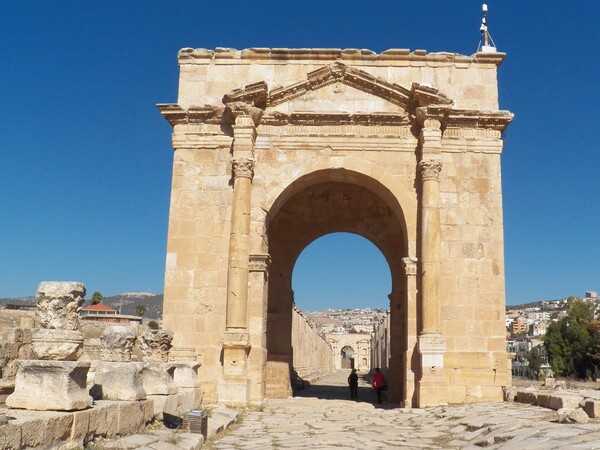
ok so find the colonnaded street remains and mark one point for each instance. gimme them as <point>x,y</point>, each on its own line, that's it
<point>274,148</point>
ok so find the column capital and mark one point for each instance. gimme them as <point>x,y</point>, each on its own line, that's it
<point>259,262</point>
<point>430,169</point>
<point>409,266</point>
<point>243,114</point>
<point>243,168</point>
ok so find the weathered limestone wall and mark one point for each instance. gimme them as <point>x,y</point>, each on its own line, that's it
<point>472,274</point>
<point>313,356</point>
<point>423,167</point>
<point>205,75</point>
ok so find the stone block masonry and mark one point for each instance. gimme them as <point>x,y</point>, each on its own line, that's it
<point>313,356</point>
<point>403,148</point>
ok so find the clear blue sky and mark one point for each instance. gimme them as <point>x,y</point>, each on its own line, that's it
<point>86,162</point>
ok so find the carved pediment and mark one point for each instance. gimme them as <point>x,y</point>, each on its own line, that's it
<point>336,98</point>
<point>338,88</point>
<point>341,74</point>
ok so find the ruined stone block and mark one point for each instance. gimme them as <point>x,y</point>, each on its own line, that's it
<point>51,385</point>
<point>119,381</point>
<point>10,436</point>
<point>592,408</point>
<point>131,418</point>
<point>157,378</point>
<point>81,425</point>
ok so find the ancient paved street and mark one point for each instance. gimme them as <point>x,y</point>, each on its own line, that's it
<point>318,421</point>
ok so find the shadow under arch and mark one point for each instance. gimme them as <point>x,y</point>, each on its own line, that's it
<point>316,204</point>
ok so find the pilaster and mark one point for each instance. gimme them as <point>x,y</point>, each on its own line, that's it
<point>409,342</point>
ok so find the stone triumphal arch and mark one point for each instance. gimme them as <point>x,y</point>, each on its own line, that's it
<point>276,147</point>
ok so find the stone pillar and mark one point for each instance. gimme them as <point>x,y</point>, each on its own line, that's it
<point>257,326</point>
<point>239,241</point>
<point>56,380</point>
<point>430,244</point>
<point>432,383</point>
<point>236,345</point>
<point>409,266</point>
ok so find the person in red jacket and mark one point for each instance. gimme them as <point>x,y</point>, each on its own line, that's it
<point>378,383</point>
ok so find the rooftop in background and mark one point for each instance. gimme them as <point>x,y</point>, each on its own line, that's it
<point>99,308</point>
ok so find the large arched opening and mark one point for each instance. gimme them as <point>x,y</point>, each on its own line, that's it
<point>317,204</point>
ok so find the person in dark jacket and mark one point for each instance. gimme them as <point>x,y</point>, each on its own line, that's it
<point>353,383</point>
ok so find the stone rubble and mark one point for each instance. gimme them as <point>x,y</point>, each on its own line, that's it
<point>116,343</point>
<point>58,304</point>
<point>155,344</point>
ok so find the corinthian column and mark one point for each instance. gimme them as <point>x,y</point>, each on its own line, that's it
<point>235,386</point>
<point>430,244</point>
<point>432,384</point>
<point>239,244</point>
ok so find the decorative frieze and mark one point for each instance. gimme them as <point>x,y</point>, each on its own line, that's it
<point>472,133</point>
<point>430,169</point>
<point>243,168</point>
<point>307,119</point>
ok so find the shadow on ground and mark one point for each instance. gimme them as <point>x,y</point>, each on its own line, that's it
<point>322,390</point>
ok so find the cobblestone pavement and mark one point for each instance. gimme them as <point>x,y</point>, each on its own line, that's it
<point>317,421</point>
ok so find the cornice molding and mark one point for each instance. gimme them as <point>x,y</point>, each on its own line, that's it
<point>465,118</point>
<point>290,55</point>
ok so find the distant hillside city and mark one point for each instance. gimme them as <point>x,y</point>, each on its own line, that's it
<point>357,320</point>
<point>126,303</point>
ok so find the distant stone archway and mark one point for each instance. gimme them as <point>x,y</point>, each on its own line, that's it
<point>347,355</point>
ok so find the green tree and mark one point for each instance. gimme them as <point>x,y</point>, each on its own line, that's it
<point>140,310</point>
<point>97,297</point>
<point>573,343</point>
<point>534,357</point>
<point>557,349</point>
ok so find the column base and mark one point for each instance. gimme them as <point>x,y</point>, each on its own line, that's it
<point>234,392</point>
<point>51,385</point>
<point>234,389</point>
<point>432,384</point>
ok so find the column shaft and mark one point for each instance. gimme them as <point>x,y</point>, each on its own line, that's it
<point>239,252</point>
<point>430,248</point>
<point>239,240</point>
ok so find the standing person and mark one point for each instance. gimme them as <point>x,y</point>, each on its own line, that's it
<point>378,383</point>
<point>353,383</point>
